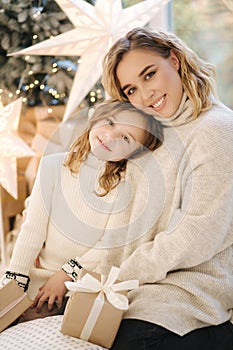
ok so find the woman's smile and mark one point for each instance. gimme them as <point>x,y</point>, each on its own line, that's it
<point>159,103</point>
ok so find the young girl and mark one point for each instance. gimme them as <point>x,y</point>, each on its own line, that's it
<point>78,199</point>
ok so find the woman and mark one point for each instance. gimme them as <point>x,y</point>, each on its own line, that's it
<point>185,268</point>
<point>76,200</point>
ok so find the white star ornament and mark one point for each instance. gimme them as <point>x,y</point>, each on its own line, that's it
<point>96,29</point>
<point>11,146</point>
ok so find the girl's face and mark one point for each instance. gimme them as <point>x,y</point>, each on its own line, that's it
<point>117,137</point>
<point>151,81</point>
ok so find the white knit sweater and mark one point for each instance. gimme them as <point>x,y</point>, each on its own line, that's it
<point>178,244</point>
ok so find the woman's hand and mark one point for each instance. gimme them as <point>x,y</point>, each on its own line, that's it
<point>53,290</point>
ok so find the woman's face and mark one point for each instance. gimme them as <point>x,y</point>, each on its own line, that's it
<point>117,137</point>
<point>151,81</point>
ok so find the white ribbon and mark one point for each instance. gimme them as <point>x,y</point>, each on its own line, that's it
<point>10,306</point>
<point>104,288</point>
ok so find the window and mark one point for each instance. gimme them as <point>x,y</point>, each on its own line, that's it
<point>207,27</point>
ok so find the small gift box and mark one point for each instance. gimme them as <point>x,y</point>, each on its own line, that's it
<point>10,205</point>
<point>13,302</point>
<point>95,309</point>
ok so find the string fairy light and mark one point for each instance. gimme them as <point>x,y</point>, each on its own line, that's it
<point>32,84</point>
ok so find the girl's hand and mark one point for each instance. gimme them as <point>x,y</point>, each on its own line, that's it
<point>52,291</point>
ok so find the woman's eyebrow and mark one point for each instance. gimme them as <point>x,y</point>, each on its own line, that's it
<point>139,75</point>
<point>145,69</point>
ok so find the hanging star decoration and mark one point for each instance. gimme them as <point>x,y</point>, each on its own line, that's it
<point>96,28</point>
<point>11,146</point>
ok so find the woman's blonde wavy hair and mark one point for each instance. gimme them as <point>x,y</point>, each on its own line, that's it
<point>113,171</point>
<point>198,76</point>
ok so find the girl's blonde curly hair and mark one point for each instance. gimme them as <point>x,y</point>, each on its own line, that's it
<point>198,76</point>
<point>113,171</point>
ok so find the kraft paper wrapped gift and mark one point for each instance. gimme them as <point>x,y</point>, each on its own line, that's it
<point>13,302</point>
<point>95,309</point>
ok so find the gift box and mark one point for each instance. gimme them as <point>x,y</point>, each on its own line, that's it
<point>47,127</point>
<point>96,307</point>
<point>11,206</point>
<point>13,302</point>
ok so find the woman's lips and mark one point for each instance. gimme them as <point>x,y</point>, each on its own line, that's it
<point>159,103</point>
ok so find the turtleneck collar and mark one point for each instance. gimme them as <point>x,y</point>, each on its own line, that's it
<point>183,115</point>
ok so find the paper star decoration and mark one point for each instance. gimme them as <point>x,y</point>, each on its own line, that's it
<point>96,29</point>
<point>11,146</point>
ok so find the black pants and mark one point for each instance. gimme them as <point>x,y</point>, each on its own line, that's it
<point>140,335</point>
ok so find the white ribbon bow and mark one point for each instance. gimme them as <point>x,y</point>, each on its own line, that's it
<point>105,287</point>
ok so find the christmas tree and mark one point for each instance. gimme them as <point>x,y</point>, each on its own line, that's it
<point>40,80</point>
